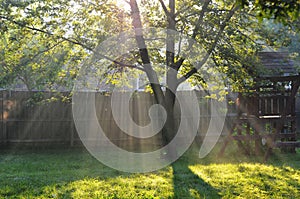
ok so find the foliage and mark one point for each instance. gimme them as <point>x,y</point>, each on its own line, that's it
<point>40,40</point>
<point>282,11</point>
<point>43,43</point>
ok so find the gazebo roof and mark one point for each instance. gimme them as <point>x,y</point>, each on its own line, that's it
<point>277,64</point>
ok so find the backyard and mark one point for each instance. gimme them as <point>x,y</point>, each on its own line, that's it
<point>74,173</point>
<point>93,90</point>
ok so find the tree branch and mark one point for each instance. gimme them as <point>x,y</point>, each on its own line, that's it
<point>182,10</point>
<point>151,74</point>
<point>23,25</point>
<point>170,43</point>
<point>195,31</point>
<point>137,24</point>
<point>213,46</point>
<point>46,50</point>
<point>185,17</point>
<point>200,19</point>
<point>163,5</point>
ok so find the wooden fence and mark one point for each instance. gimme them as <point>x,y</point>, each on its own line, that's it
<point>297,107</point>
<point>51,123</point>
<point>23,122</point>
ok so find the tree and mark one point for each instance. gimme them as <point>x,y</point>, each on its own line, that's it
<point>224,28</point>
<point>43,42</point>
<point>282,11</point>
<point>228,31</point>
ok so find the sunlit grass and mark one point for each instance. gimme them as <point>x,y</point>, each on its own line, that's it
<point>136,186</point>
<point>76,174</point>
<point>250,180</point>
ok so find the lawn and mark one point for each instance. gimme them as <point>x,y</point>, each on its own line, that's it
<point>74,173</point>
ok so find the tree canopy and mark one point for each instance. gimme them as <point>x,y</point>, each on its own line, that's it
<point>43,42</point>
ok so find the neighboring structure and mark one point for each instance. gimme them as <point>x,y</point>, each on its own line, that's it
<point>267,115</point>
<point>277,64</point>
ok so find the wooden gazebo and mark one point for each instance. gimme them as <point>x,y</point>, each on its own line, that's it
<point>266,116</point>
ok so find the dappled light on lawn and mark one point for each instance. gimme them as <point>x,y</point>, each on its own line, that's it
<point>76,174</point>
<point>135,186</point>
<point>251,180</point>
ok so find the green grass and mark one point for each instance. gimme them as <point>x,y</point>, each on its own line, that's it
<point>74,173</point>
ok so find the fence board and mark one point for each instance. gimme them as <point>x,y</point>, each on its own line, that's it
<point>2,113</point>
<point>22,122</point>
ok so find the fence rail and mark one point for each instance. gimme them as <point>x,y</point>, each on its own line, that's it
<point>22,122</point>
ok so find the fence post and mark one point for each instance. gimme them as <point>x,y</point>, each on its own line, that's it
<point>297,108</point>
<point>4,126</point>
<point>72,123</point>
<point>72,134</point>
<point>2,116</point>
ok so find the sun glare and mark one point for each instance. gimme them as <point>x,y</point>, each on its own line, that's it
<point>123,4</point>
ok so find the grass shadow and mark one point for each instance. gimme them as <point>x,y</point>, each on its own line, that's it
<point>74,173</point>
<point>30,173</point>
<point>189,185</point>
<point>235,175</point>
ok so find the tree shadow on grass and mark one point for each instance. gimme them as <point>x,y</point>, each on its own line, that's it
<point>189,185</point>
<point>29,173</point>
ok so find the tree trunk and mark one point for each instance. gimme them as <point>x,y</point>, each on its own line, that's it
<point>167,100</point>
<point>170,128</point>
